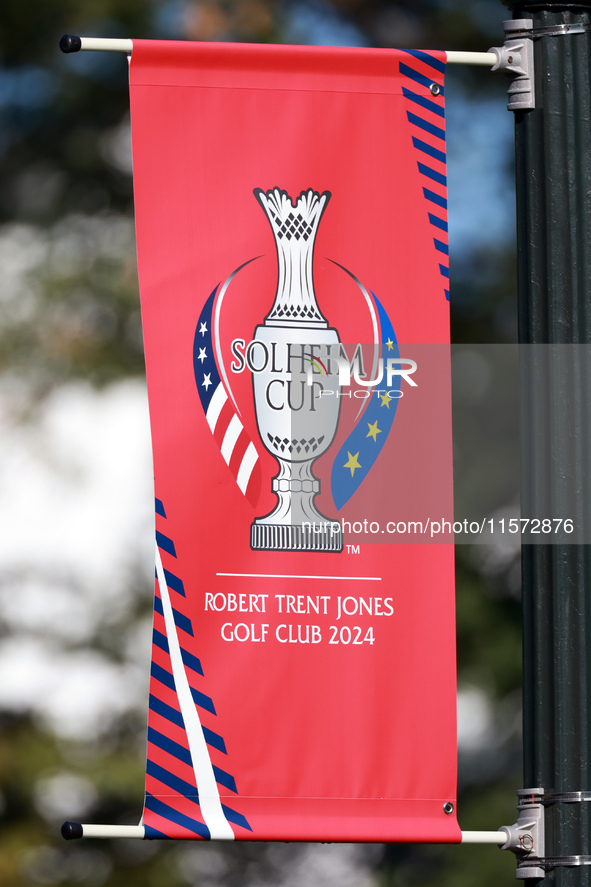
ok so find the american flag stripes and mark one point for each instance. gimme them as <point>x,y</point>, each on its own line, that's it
<point>237,449</point>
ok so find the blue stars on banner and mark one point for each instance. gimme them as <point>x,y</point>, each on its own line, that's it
<point>358,454</point>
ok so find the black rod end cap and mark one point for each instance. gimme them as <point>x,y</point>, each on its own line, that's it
<point>69,43</point>
<point>71,830</point>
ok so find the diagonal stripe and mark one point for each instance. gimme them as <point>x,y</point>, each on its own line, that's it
<point>444,271</point>
<point>175,782</point>
<point>437,222</point>
<point>203,701</point>
<point>175,583</point>
<point>417,77</point>
<point>154,833</point>
<point>426,59</point>
<point>182,621</point>
<point>169,745</point>
<point>159,640</point>
<point>432,174</point>
<point>428,149</point>
<point>165,543</point>
<point>214,740</point>
<point>215,406</point>
<point>175,717</point>
<point>246,466</point>
<point>211,806</point>
<point>166,711</point>
<point>225,779</point>
<point>164,677</point>
<point>238,454</point>
<point>236,818</point>
<point>441,247</point>
<point>435,198</point>
<point>428,127</point>
<point>160,508</point>
<point>230,437</point>
<point>156,806</point>
<point>427,104</point>
<point>223,421</point>
<point>191,661</point>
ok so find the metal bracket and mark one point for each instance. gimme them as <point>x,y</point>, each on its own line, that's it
<point>516,57</point>
<point>526,838</point>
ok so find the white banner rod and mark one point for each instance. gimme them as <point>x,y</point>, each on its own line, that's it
<point>485,837</point>
<point>69,43</point>
<point>472,58</point>
<point>72,830</point>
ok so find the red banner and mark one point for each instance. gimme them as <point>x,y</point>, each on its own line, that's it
<point>292,244</point>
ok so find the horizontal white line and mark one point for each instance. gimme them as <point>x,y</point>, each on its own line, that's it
<point>299,576</point>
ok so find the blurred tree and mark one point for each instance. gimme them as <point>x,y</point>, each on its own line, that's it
<point>69,312</point>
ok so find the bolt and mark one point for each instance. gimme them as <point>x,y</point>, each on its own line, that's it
<point>435,89</point>
<point>527,842</point>
<point>448,807</point>
<point>510,59</point>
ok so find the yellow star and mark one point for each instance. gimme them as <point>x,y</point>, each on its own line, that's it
<point>373,430</point>
<point>352,462</point>
<point>385,398</point>
<point>390,344</point>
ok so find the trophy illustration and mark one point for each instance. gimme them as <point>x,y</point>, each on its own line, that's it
<point>296,391</point>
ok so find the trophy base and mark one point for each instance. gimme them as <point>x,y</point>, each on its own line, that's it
<point>293,537</point>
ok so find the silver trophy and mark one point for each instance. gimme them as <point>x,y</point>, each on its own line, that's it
<point>296,389</point>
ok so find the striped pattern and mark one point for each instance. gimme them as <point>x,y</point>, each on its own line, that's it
<point>236,448</point>
<point>171,807</point>
<point>426,114</point>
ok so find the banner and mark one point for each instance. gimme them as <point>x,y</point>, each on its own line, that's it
<point>292,245</point>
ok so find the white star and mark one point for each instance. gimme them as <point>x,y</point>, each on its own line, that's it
<point>202,354</point>
<point>207,380</point>
<point>202,329</point>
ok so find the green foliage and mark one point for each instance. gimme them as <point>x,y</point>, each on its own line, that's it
<point>489,635</point>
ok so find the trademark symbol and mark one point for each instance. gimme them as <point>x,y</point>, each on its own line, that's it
<point>352,549</point>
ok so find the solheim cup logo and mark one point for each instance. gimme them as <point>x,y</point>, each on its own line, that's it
<point>301,372</point>
<point>295,425</point>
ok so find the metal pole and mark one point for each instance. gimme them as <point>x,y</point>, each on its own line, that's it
<point>553,177</point>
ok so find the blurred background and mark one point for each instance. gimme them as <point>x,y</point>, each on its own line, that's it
<point>75,470</point>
